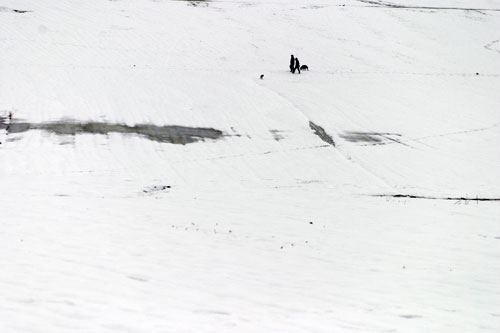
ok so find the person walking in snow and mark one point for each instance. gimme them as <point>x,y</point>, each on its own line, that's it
<point>292,64</point>
<point>297,65</point>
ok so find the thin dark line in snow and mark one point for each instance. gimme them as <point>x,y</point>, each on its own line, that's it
<point>455,133</point>
<point>384,4</point>
<point>414,196</point>
<point>470,74</point>
<point>12,10</point>
<point>253,154</point>
<point>489,45</point>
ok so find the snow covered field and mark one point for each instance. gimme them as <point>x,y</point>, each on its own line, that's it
<point>360,196</point>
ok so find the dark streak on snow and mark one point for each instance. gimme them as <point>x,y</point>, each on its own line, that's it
<point>362,137</point>
<point>372,138</point>
<point>170,134</point>
<point>410,316</point>
<point>412,196</point>
<point>319,131</point>
<point>385,4</point>
<point>156,188</point>
<point>10,10</point>
<point>276,135</point>
<point>196,3</point>
<point>138,278</point>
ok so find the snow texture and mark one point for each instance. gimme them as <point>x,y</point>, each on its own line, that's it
<point>152,182</point>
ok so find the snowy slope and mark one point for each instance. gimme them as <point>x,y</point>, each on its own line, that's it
<point>271,227</point>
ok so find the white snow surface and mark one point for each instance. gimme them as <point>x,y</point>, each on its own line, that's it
<point>269,228</point>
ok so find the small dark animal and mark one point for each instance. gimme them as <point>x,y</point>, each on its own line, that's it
<point>261,76</point>
<point>304,68</point>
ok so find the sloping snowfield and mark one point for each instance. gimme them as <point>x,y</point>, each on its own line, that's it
<point>150,181</point>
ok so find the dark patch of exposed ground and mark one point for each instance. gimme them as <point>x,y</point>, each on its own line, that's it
<point>320,131</point>
<point>170,134</point>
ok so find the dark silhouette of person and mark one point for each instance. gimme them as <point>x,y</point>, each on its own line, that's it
<point>292,64</point>
<point>297,65</point>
